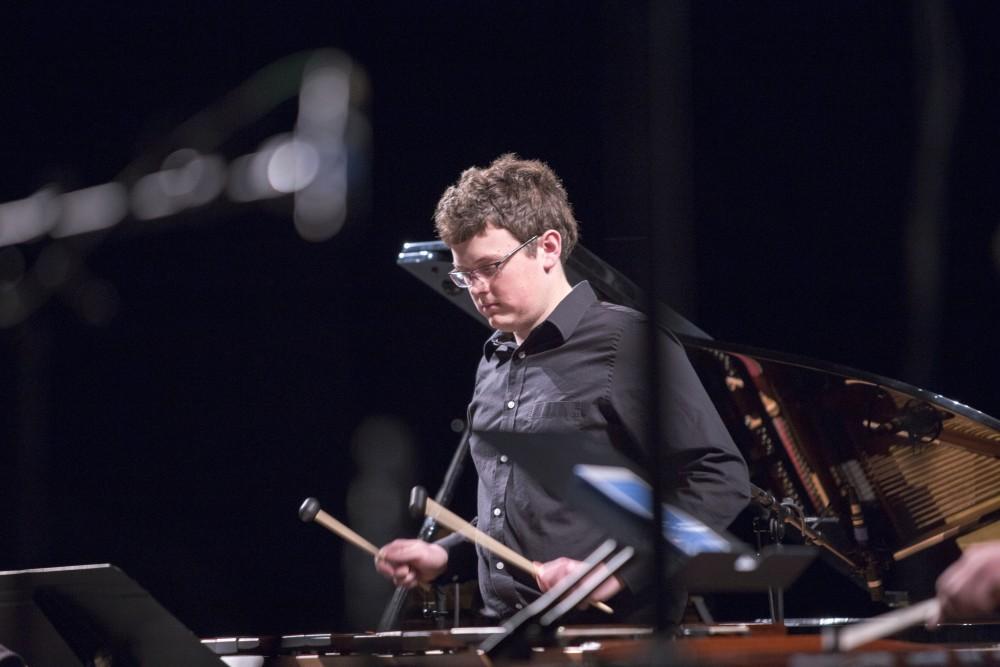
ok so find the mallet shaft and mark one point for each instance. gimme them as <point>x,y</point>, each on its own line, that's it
<point>331,524</point>
<point>445,516</point>
<point>878,627</point>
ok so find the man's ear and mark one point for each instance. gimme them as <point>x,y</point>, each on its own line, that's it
<point>550,245</point>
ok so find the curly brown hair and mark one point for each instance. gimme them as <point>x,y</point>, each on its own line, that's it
<point>525,197</point>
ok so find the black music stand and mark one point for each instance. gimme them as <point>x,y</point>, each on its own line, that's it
<point>71,616</point>
<point>536,623</point>
<point>587,474</point>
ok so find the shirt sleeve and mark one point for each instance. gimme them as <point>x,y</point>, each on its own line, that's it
<point>703,470</point>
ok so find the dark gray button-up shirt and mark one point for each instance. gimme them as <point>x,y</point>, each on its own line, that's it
<point>583,369</point>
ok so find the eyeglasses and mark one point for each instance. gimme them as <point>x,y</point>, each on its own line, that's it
<point>464,279</point>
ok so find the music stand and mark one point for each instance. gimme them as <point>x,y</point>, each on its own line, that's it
<point>537,620</point>
<point>587,474</point>
<point>70,616</point>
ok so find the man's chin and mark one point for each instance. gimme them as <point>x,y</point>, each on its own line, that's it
<point>499,322</point>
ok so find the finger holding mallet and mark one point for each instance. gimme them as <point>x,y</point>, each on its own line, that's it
<point>411,562</point>
<point>421,505</point>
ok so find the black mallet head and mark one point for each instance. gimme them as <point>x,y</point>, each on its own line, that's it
<point>418,502</point>
<point>309,509</point>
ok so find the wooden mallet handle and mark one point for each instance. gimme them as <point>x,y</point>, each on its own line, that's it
<point>311,511</point>
<point>877,627</point>
<point>422,505</point>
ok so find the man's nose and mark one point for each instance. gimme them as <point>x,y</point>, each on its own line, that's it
<point>478,284</point>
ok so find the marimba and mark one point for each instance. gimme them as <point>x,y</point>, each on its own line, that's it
<point>736,645</point>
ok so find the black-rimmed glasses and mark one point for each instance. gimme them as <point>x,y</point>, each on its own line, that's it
<point>464,279</point>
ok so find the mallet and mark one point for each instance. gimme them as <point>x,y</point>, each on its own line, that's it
<point>422,505</point>
<point>311,511</point>
<point>877,627</point>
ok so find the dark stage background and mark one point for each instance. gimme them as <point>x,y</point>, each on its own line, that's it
<point>227,368</point>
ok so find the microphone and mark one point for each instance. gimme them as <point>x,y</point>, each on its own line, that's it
<point>872,574</point>
<point>857,518</point>
<point>920,421</point>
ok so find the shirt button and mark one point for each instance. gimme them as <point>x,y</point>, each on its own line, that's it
<point>519,606</point>
<point>521,355</point>
<point>499,565</point>
<point>503,458</point>
<point>496,511</point>
<point>511,404</point>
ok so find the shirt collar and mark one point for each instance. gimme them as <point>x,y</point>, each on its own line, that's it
<point>564,319</point>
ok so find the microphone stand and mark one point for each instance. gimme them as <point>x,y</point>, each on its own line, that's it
<point>390,615</point>
<point>771,522</point>
<point>792,514</point>
<point>777,514</point>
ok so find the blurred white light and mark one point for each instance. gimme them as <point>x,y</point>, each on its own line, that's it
<point>91,209</point>
<point>211,181</point>
<point>325,93</point>
<point>240,186</point>
<point>318,225</point>
<point>292,166</point>
<point>311,164</point>
<point>149,201</point>
<point>192,178</point>
<point>324,104</point>
<point>27,219</point>
<point>321,208</point>
<point>259,182</point>
<point>248,174</point>
<point>181,172</point>
<point>188,179</point>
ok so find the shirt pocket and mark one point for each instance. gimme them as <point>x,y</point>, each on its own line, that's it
<point>556,415</point>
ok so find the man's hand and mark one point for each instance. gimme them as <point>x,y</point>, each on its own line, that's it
<point>409,562</point>
<point>549,574</point>
<point>971,586</point>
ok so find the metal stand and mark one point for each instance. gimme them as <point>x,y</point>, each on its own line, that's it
<point>771,522</point>
<point>437,609</point>
<point>772,526</point>
<point>390,615</point>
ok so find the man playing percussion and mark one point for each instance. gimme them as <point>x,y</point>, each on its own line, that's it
<point>559,360</point>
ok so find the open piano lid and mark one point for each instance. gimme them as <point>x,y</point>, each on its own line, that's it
<point>922,468</point>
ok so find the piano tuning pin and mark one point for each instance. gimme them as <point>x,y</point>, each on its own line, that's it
<point>770,405</point>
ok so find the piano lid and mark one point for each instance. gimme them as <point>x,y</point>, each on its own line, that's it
<point>916,467</point>
<point>430,262</point>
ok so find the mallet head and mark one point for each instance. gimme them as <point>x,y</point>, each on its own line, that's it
<point>418,501</point>
<point>309,509</point>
